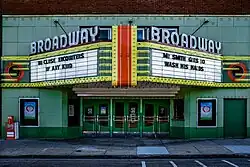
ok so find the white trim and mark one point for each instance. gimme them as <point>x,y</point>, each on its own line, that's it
<point>37,114</point>
<point>130,15</point>
<point>197,107</point>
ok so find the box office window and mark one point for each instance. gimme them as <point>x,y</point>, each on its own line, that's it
<point>28,112</point>
<point>179,109</point>
<point>206,112</point>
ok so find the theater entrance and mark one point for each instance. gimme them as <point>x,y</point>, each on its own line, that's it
<point>125,117</point>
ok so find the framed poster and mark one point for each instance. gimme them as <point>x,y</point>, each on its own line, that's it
<point>28,111</point>
<point>206,112</point>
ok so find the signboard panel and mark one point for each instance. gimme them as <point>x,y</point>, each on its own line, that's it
<point>176,65</point>
<point>80,64</point>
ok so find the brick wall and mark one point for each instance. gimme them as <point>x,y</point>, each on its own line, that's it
<point>126,6</point>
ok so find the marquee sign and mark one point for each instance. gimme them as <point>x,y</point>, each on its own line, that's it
<point>176,65</point>
<point>81,64</point>
<point>96,33</point>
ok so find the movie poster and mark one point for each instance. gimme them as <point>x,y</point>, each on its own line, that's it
<point>103,110</point>
<point>29,110</point>
<point>206,111</point>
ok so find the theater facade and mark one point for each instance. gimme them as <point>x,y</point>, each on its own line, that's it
<point>170,76</point>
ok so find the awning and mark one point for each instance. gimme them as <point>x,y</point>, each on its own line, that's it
<point>127,92</point>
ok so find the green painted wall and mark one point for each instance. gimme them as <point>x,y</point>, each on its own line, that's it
<point>191,129</point>
<point>52,116</point>
<point>232,31</point>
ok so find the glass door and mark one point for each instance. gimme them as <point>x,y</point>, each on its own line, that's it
<point>149,118</point>
<point>103,119</point>
<point>133,119</point>
<point>119,118</point>
<point>89,120</point>
<point>163,124</point>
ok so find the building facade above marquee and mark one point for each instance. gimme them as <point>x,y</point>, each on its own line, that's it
<point>126,57</point>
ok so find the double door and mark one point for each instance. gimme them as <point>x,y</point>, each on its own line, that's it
<point>155,117</point>
<point>96,119</point>
<point>126,118</point>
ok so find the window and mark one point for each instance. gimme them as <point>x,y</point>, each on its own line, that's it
<point>105,34</point>
<point>140,34</point>
<point>179,109</point>
<point>28,111</point>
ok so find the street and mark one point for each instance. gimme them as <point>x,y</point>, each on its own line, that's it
<point>226,162</point>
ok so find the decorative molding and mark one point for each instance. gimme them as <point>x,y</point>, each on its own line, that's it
<point>57,82</point>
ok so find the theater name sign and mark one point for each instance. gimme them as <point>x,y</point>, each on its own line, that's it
<point>184,58</point>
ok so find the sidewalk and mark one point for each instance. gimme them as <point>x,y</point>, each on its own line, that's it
<point>125,148</point>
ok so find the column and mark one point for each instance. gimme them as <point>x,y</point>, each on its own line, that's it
<point>81,114</point>
<point>111,117</point>
<point>141,117</point>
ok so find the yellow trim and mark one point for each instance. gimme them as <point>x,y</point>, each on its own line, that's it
<point>10,58</point>
<point>139,72</point>
<point>191,82</point>
<point>9,80</point>
<point>114,54</point>
<point>142,51</point>
<point>71,50</point>
<point>58,82</point>
<point>58,52</point>
<point>179,50</point>
<point>242,74</point>
<point>245,79</point>
<point>143,58</point>
<point>20,63</point>
<point>105,58</point>
<point>142,65</point>
<point>105,71</point>
<point>105,51</point>
<point>9,74</point>
<point>230,68</point>
<point>134,56</point>
<point>229,63</point>
<point>105,65</point>
<point>25,69</point>
<point>236,58</point>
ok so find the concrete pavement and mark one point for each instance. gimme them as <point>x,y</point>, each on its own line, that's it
<point>125,148</point>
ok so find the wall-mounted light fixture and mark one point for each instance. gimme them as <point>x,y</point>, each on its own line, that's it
<point>204,22</point>
<point>56,22</point>
<point>130,22</point>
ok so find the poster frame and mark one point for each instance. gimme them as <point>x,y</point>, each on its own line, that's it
<point>38,110</point>
<point>198,112</point>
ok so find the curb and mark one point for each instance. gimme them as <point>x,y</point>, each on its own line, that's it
<point>191,156</point>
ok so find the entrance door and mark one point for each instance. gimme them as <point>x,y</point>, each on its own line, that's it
<point>163,124</point>
<point>149,118</point>
<point>96,119</point>
<point>133,119</point>
<point>156,117</point>
<point>235,118</point>
<point>119,118</point>
<point>126,118</point>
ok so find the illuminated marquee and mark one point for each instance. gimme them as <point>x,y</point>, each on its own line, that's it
<point>81,64</point>
<point>176,65</point>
